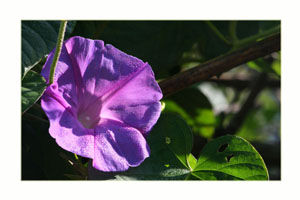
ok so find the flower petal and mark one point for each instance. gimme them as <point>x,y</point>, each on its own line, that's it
<point>118,147</point>
<point>65,128</point>
<point>66,77</point>
<point>136,101</point>
<point>101,67</point>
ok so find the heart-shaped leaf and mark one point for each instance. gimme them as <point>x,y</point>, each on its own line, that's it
<point>177,135</point>
<point>33,86</point>
<point>38,39</point>
<point>230,158</point>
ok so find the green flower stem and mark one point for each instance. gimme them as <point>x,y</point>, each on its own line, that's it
<point>59,43</point>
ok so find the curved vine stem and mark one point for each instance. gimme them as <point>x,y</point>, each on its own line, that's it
<point>59,43</point>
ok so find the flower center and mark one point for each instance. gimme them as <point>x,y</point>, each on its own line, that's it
<point>87,121</point>
<point>89,116</point>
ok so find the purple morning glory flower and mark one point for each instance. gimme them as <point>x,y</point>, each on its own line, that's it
<point>102,103</point>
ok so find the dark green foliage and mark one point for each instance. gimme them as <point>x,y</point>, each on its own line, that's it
<point>195,108</point>
<point>38,39</point>
<point>33,86</point>
<point>189,119</point>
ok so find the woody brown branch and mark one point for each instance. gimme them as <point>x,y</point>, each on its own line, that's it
<point>219,65</point>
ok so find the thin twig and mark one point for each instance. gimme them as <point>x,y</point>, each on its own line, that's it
<point>219,65</point>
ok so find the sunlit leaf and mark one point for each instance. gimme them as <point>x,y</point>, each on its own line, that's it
<point>192,161</point>
<point>230,158</point>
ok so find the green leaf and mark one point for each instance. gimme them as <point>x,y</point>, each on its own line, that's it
<point>170,142</point>
<point>177,135</point>
<point>193,106</point>
<point>192,161</point>
<point>33,86</point>
<point>230,158</point>
<point>38,39</point>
